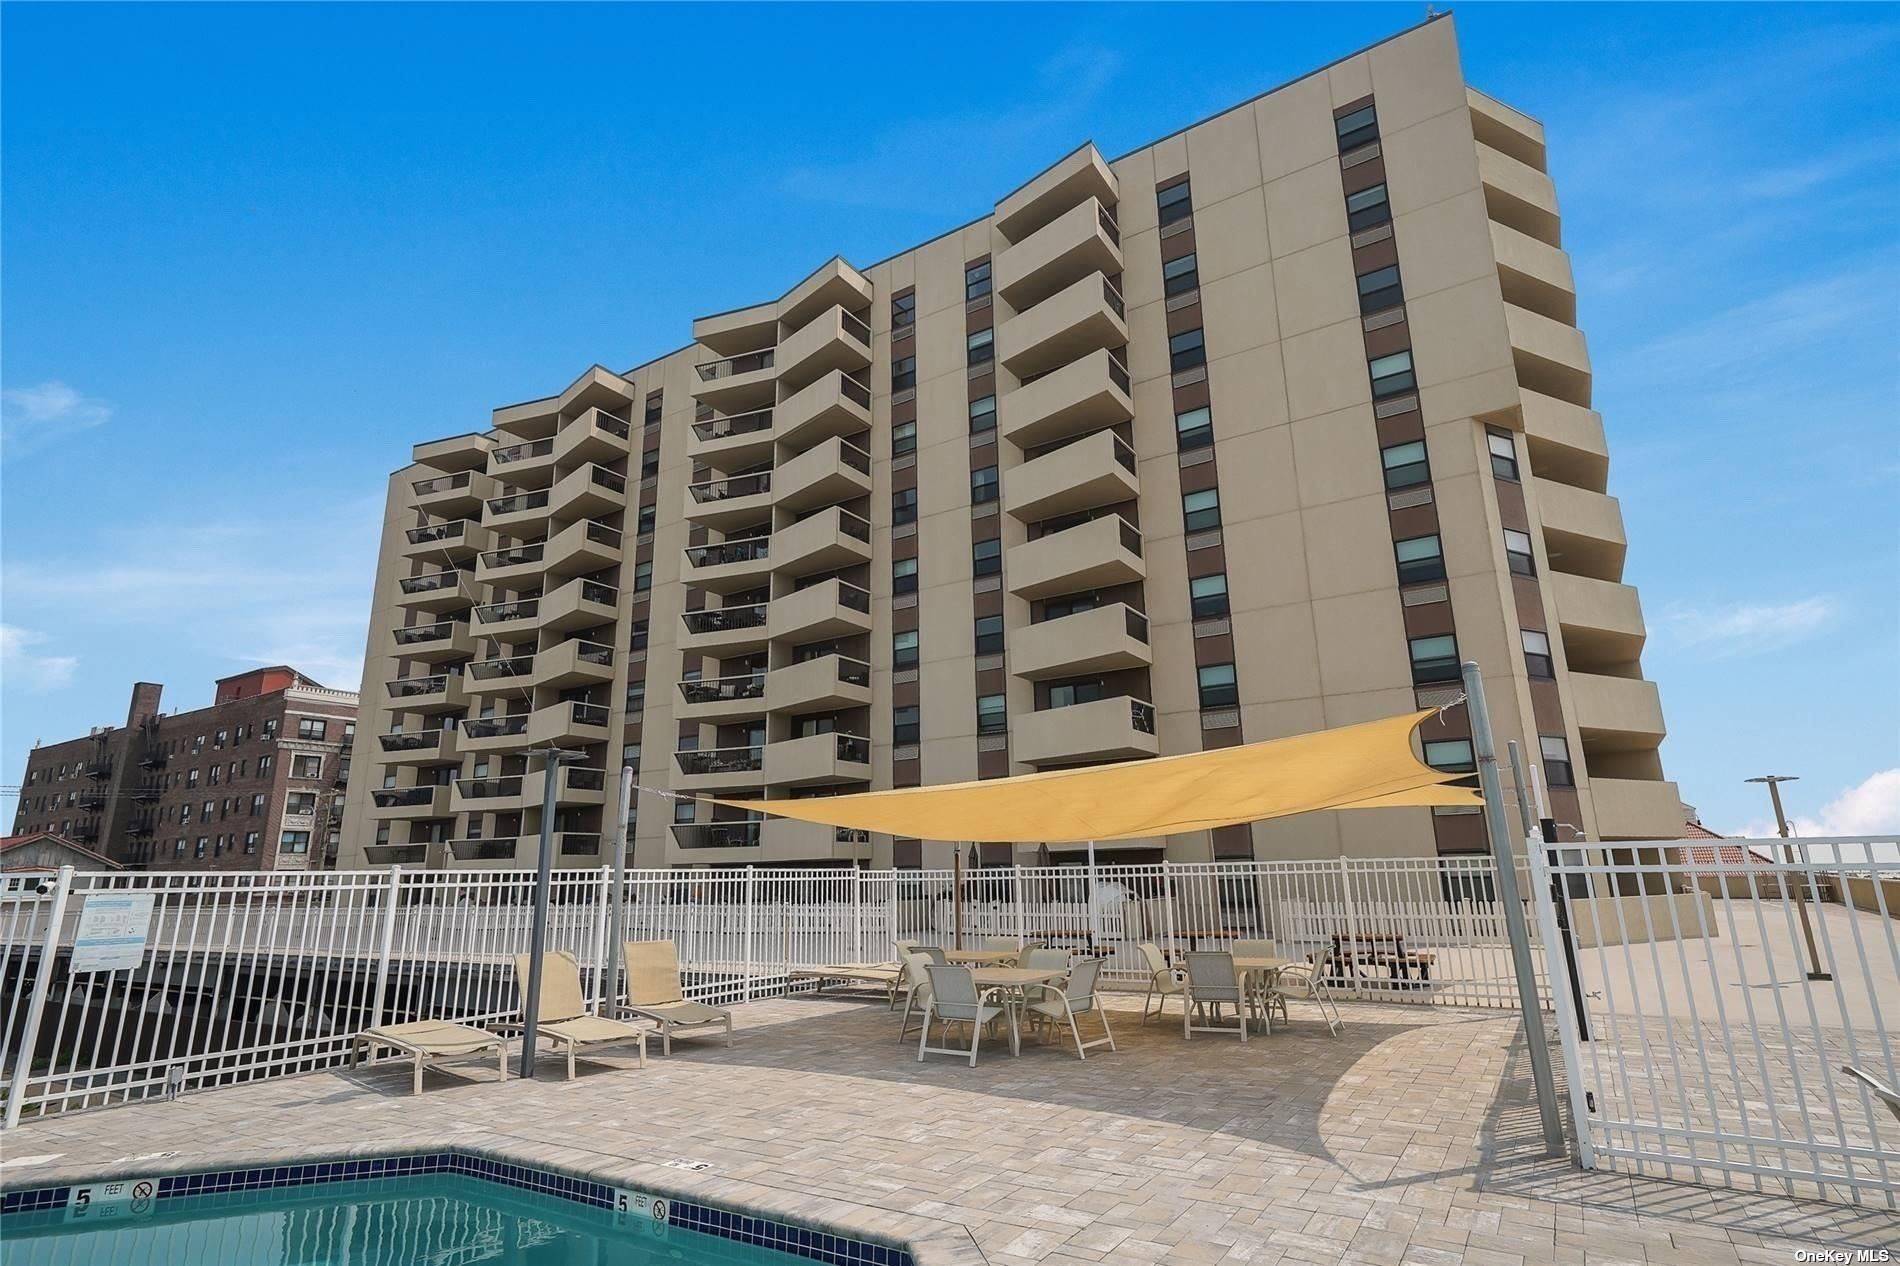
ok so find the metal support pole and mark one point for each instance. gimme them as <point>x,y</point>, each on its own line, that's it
<point>394,898</point>
<point>1095,929</point>
<point>1560,899</point>
<point>36,1006</point>
<point>1774,782</point>
<point>956,897</point>
<point>750,894</point>
<point>1484,749</point>
<point>531,1005</point>
<point>617,897</point>
<point>1022,922</point>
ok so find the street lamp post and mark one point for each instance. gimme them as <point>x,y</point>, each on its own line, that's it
<point>1774,782</point>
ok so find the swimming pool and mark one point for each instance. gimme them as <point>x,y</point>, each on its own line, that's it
<point>438,1210</point>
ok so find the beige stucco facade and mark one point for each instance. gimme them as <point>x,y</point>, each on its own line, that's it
<point>947,516</point>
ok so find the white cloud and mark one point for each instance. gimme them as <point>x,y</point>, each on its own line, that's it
<point>1749,628</point>
<point>20,666</point>
<point>31,418</point>
<point>1869,807</point>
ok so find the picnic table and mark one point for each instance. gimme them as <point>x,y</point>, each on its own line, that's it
<point>1378,949</point>
<point>981,957</point>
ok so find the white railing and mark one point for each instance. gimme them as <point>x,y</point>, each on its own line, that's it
<point>245,976</point>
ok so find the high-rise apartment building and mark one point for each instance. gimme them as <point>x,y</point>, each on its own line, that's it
<point>1258,429</point>
<point>255,781</point>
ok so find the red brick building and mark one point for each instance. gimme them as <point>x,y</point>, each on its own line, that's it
<point>255,781</point>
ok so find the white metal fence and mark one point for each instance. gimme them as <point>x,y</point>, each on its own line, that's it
<point>1725,992</point>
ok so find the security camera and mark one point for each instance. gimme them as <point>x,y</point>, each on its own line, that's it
<point>41,888</point>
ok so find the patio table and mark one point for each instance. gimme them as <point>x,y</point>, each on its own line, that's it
<point>1264,968</point>
<point>1014,981</point>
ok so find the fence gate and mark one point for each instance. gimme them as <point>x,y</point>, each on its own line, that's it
<point>1732,1028</point>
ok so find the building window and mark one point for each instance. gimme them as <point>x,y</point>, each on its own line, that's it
<point>976,281</point>
<point>270,731</point>
<point>982,415</point>
<point>903,575</point>
<point>904,310</point>
<point>257,805</point>
<point>178,849</point>
<point>1503,453</point>
<point>264,765</point>
<point>311,728</point>
<point>904,649</point>
<point>184,814</point>
<point>204,842</point>
<point>1357,128</point>
<point>1556,752</point>
<point>903,373</point>
<point>903,438</point>
<point>906,724</point>
<point>650,463</point>
<point>1420,559</point>
<point>1219,687</point>
<point>1178,276</point>
<point>1176,202</point>
<point>220,738</point>
<point>211,776</point>
<point>992,714</point>
<point>630,755</point>
<point>1379,290</point>
<point>984,485</point>
<point>1065,694</point>
<point>306,767</point>
<point>1200,511</point>
<point>1207,596</point>
<point>1537,660</point>
<point>1368,208</point>
<point>1392,375</point>
<point>294,842</point>
<point>1194,428</point>
<point>904,505</point>
<point>1517,553</point>
<point>1186,350</point>
<point>191,778</point>
<point>644,524</point>
<point>643,576</point>
<point>683,810</point>
<point>1434,659</point>
<point>301,802</point>
<point>981,347</point>
<point>637,696</point>
<point>989,635</point>
<point>1452,756</point>
<point>986,557</point>
<point>1405,465</point>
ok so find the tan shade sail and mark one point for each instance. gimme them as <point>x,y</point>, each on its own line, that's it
<point>1364,766</point>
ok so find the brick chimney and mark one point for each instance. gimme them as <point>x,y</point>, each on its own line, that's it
<point>145,696</point>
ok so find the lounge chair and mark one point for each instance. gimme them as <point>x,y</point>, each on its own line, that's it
<point>653,991</point>
<point>1075,996</point>
<point>1163,980</point>
<point>1301,981</point>
<point>564,1018</point>
<point>428,1043</point>
<point>1211,984</point>
<point>954,1000</point>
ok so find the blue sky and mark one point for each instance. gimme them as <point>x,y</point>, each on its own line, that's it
<point>251,254</point>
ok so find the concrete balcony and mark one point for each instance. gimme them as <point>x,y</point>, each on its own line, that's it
<point>1534,274</point>
<point>580,548</point>
<point>1115,728</point>
<point>596,388</point>
<point>738,384</point>
<point>724,631</point>
<point>1082,240</point>
<point>818,759</point>
<point>730,502</point>
<point>567,722</point>
<point>587,493</point>
<point>1565,441</point>
<point>833,284</point>
<point>730,443</point>
<point>835,404</point>
<point>1097,470</point>
<point>453,541</point>
<point>437,693</point>
<point>788,840</point>
<point>441,642</point>
<point>506,677</point>
<point>594,436</point>
<point>1601,620</point>
<point>1081,176</point>
<point>574,663</point>
<point>1083,317</point>
<point>1550,356</point>
<point>731,333</point>
<point>1637,809</point>
<point>436,591</point>
<point>508,621</point>
<point>1617,713</point>
<point>1519,196</point>
<point>510,793</point>
<point>524,464</point>
<point>718,843</point>
<point>1083,396</point>
<point>416,854</point>
<point>440,746</point>
<point>834,470</point>
<point>1583,530</point>
<point>830,608</point>
<point>455,496</point>
<point>832,340</point>
<point>1093,555</point>
<point>718,768</point>
<point>824,541</point>
<point>722,698</point>
<point>514,566</point>
<point>505,853</point>
<point>1107,639</point>
<point>728,566</point>
<point>455,453</point>
<point>389,804</point>
<point>824,684</point>
<point>579,604</point>
<point>494,734</point>
<point>1506,129</point>
<point>518,513</point>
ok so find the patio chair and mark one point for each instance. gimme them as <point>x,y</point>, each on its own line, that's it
<point>1162,979</point>
<point>1211,983</point>
<point>1076,996</point>
<point>954,1000</point>
<point>429,1043</point>
<point>563,1016</point>
<point>1302,981</point>
<point>653,991</point>
<point>916,988</point>
<point>1042,959</point>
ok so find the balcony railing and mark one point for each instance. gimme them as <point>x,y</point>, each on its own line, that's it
<point>858,459</point>
<point>580,843</point>
<point>597,653</point>
<point>1113,297</point>
<point>716,834</point>
<point>736,486</point>
<point>751,550</point>
<point>1142,716</point>
<point>581,779</point>
<point>612,425</point>
<point>96,769</point>
<point>1131,537</point>
<point>725,619</point>
<point>595,591</point>
<point>744,363</point>
<point>721,760</point>
<point>521,452</point>
<point>515,555</point>
<point>601,534</point>
<point>1117,372</point>
<point>485,850</point>
<point>1137,624</point>
<point>590,714</point>
<point>853,747</point>
<point>410,687</point>
<point>402,797</point>
<point>421,741</point>
<point>436,532</point>
<point>519,609</point>
<point>519,502</point>
<point>739,424</point>
<point>854,597</point>
<point>854,390</point>
<point>440,483</point>
<point>854,525</point>
<point>1109,227</point>
<point>431,582</point>
<point>153,760</point>
<point>495,727</point>
<point>724,689</point>
<point>494,669</point>
<point>1124,453</point>
<point>856,327</point>
<point>601,477</point>
<point>419,634</point>
<point>489,788</point>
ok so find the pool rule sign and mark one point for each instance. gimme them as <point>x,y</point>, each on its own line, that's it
<point>112,931</point>
<point>109,1201</point>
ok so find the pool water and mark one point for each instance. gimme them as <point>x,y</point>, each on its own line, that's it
<point>431,1220</point>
